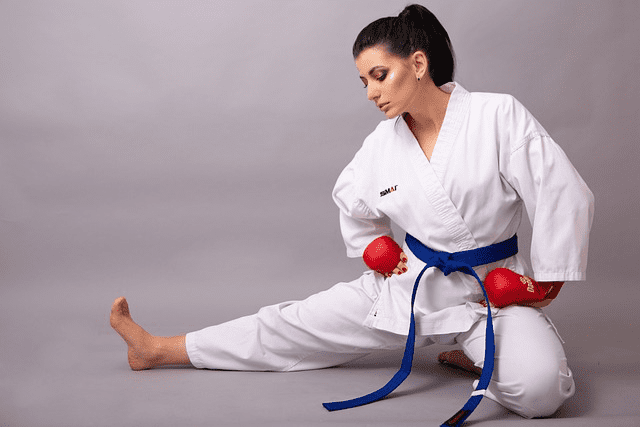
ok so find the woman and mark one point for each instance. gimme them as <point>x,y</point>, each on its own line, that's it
<point>455,170</point>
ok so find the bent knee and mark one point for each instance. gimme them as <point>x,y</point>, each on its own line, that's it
<point>538,392</point>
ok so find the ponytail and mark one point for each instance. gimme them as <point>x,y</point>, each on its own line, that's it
<point>414,29</point>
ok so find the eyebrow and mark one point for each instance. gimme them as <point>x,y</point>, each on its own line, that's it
<point>372,70</point>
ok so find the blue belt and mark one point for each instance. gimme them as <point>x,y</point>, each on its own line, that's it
<point>447,262</point>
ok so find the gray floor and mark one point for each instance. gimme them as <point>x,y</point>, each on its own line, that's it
<point>62,365</point>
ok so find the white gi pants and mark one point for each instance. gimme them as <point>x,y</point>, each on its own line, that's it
<point>531,376</point>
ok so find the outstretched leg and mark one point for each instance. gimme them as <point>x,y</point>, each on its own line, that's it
<point>145,350</point>
<point>326,329</point>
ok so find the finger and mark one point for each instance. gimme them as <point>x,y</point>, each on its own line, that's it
<point>403,257</point>
<point>397,271</point>
<point>402,266</point>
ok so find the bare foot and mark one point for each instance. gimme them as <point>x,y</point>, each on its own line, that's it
<point>141,343</point>
<point>457,359</point>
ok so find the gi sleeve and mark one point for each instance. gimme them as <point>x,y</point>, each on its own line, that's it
<point>559,205</point>
<point>359,224</point>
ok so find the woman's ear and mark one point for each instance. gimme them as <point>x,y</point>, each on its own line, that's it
<point>420,64</point>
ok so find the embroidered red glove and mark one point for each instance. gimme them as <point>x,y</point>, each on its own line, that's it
<point>382,255</point>
<point>505,287</point>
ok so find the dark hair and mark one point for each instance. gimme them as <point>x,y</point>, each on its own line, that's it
<point>414,29</point>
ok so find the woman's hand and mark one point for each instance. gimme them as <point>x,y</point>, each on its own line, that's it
<point>402,266</point>
<point>505,287</point>
<point>385,256</point>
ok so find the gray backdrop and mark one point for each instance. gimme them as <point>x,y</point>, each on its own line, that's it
<point>183,153</point>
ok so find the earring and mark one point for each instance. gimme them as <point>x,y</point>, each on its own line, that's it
<point>418,78</point>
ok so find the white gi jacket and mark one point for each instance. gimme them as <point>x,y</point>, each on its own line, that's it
<point>492,160</point>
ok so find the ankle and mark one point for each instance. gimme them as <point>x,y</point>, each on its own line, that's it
<point>169,351</point>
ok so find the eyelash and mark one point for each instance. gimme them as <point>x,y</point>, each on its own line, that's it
<point>380,79</point>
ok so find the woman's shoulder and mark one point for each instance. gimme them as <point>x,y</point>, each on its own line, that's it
<point>384,128</point>
<point>375,147</point>
<point>513,120</point>
<point>495,100</point>
<point>498,103</point>
<point>380,136</point>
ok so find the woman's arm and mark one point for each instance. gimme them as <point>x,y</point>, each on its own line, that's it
<point>557,200</point>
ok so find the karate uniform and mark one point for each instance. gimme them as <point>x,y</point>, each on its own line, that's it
<point>492,162</point>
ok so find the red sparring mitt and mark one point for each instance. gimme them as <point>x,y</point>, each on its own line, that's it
<point>505,287</point>
<point>382,255</point>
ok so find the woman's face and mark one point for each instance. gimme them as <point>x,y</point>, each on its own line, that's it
<point>391,81</point>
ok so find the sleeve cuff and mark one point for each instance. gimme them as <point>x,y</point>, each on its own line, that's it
<point>559,276</point>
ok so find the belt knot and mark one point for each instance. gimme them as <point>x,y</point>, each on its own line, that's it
<point>445,262</point>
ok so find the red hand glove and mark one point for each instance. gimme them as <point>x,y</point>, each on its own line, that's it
<point>382,255</point>
<point>505,287</point>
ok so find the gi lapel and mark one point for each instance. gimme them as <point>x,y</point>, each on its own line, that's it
<point>430,174</point>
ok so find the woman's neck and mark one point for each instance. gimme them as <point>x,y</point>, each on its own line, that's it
<point>430,108</point>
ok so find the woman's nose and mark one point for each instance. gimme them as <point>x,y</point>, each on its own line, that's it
<point>372,94</point>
